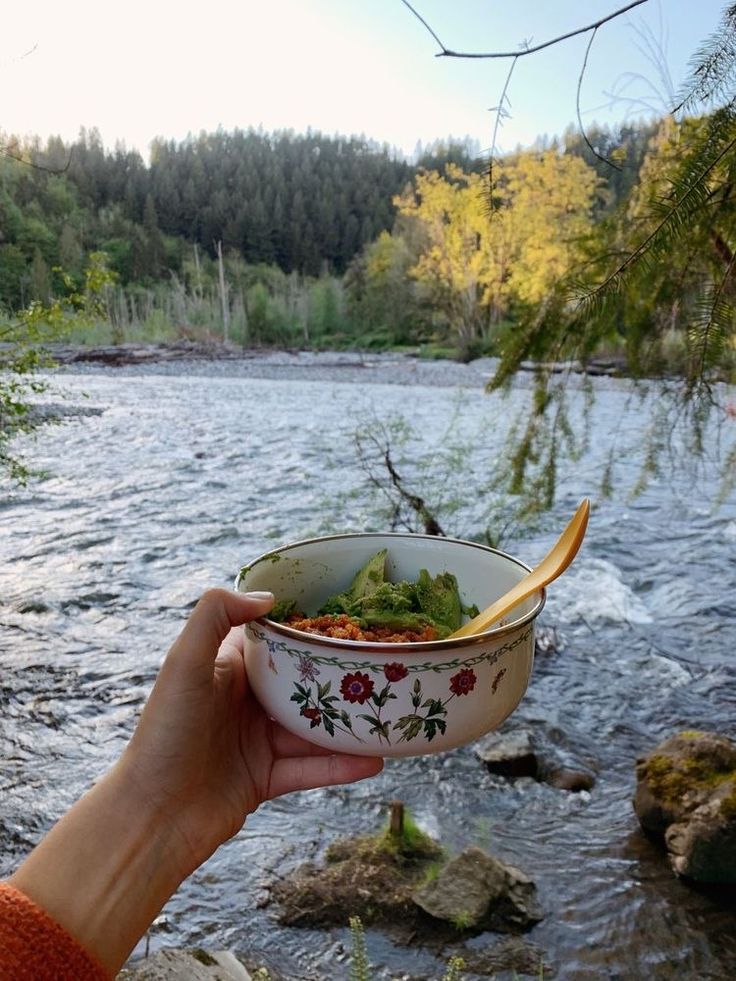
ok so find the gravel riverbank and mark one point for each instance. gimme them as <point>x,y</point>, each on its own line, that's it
<point>209,361</point>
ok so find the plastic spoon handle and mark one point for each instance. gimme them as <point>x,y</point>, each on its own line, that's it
<point>552,565</point>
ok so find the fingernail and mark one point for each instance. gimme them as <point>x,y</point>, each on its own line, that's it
<point>258,595</point>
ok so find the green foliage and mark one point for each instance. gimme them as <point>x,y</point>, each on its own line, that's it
<point>384,303</point>
<point>454,967</point>
<point>462,920</point>
<point>360,969</point>
<point>413,843</point>
<point>23,339</point>
<point>713,66</point>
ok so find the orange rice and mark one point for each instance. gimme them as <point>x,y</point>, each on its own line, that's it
<point>344,627</point>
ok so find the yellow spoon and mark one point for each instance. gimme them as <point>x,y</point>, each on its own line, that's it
<point>552,565</point>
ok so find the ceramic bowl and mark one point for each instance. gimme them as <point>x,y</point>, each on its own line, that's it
<point>382,699</point>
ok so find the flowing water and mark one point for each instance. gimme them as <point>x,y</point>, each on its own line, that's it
<point>176,477</point>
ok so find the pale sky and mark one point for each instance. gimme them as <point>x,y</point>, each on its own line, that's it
<point>148,68</point>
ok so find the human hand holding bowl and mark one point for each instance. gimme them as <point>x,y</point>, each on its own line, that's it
<point>376,698</point>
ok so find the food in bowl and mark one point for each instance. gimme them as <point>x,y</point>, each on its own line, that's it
<point>378,697</point>
<point>374,608</point>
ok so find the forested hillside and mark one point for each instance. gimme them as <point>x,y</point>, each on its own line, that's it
<point>309,239</point>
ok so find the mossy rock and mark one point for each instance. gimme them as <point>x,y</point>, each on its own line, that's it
<point>409,888</point>
<point>686,797</point>
<point>371,877</point>
<point>681,774</point>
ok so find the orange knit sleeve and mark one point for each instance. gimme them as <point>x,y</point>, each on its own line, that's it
<point>33,947</point>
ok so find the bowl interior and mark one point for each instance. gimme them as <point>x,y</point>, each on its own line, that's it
<point>311,571</point>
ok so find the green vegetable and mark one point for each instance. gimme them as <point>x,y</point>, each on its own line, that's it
<point>282,610</point>
<point>439,599</point>
<point>370,577</point>
<point>403,605</point>
<point>365,582</point>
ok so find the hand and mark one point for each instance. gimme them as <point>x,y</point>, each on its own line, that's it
<point>203,756</point>
<point>204,752</point>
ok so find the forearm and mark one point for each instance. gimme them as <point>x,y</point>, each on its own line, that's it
<point>105,870</point>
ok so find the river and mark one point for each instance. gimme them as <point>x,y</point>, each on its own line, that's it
<point>178,475</point>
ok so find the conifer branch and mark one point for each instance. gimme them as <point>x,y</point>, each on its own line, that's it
<point>712,66</point>
<point>672,213</point>
<point>713,321</point>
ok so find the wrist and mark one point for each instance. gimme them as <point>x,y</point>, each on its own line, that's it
<point>106,869</point>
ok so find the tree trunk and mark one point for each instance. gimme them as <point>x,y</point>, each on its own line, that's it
<point>198,268</point>
<point>223,295</point>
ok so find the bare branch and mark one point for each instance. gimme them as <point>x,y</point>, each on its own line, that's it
<point>589,145</point>
<point>6,151</point>
<point>416,503</point>
<point>20,57</point>
<point>448,53</point>
<point>423,21</point>
<point>393,487</point>
<point>500,111</point>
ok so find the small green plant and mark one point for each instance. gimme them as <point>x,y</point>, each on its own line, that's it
<point>406,838</point>
<point>432,871</point>
<point>454,967</point>
<point>360,969</point>
<point>462,920</point>
<point>359,965</point>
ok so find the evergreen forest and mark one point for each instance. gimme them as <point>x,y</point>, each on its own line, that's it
<point>318,241</point>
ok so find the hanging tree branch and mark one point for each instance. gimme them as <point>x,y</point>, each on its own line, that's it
<point>449,53</point>
<point>501,113</point>
<point>670,217</point>
<point>8,148</point>
<point>6,151</point>
<point>369,445</point>
<point>589,145</point>
<point>528,49</point>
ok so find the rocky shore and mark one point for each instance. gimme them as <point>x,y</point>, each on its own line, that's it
<point>195,964</point>
<point>219,360</point>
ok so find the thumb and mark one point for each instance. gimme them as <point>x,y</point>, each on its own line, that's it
<point>215,614</point>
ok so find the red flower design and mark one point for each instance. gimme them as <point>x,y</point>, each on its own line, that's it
<point>314,715</point>
<point>356,687</point>
<point>395,671</point>
<point>497,680</point>
<point>463,682</point>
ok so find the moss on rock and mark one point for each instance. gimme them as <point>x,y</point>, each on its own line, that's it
<point>686,796</point>
<point>671,777</point>
<point>728,804</point>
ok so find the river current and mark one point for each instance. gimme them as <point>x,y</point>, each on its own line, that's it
<point>176,476</point>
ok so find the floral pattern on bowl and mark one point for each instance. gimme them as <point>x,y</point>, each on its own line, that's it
<point>382,702</point>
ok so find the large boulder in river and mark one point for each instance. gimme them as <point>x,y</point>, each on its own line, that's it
<point>686,796</point>
<point>476,891</point>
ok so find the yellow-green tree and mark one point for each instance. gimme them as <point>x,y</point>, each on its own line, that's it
<point>383,299</point>
<point>481,261</point>
<point>550,198</point>
<point>460,263</point>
